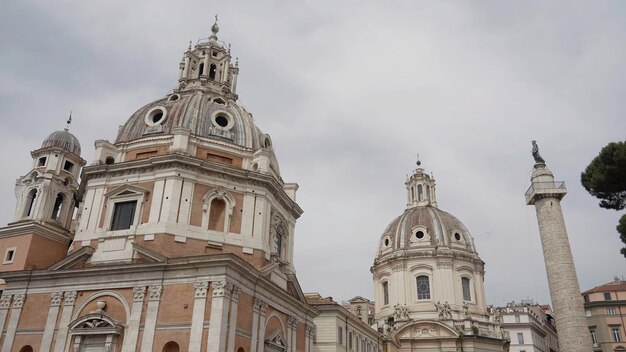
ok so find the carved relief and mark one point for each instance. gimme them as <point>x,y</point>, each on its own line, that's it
<point>18,300</point>
<point>139,293</point>
<point>69,298</point>
<point>292,322</point>
<point>200,289</point>
<point>56,298</point>
<point>154,292</point>
<point>263,308</point>
<point>235,294</point>
<point>5,301</point>
<point>221,288</point>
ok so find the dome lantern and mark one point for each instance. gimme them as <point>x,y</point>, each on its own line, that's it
<point>420,189</point>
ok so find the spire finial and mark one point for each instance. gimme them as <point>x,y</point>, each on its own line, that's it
<point>418,160</point>
<point>69,121</point>
<point>214,29</point>
<point>189,48</point>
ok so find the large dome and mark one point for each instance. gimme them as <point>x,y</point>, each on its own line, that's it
<point>64,140</point>
<point>205,113</point>
<point>425,227</point>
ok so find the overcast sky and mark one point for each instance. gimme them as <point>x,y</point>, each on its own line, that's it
<point>350,92</point>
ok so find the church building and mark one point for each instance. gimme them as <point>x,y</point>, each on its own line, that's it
<point>178,236</point>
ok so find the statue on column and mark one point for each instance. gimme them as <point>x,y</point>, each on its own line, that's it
<point>538,159</point>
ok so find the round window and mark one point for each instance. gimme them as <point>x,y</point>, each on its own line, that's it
<point>156,116</point>
<point>457,236</point>
<point>221,120</point>
<point>386,242</point>
<point>174,97</point>
<point>419,234</point>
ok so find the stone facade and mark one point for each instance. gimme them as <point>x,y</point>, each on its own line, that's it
<point>605,309</point>
<point>183,236</point>
<point>530,327</point>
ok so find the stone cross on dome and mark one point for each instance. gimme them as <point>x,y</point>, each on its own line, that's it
<point>69,122</point>
<point>214,29</point>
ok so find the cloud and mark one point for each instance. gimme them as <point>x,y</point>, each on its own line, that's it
<point>350,92</point>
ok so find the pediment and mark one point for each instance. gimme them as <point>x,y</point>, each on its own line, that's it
<point>30,178</point>
<point>127,190</point>
<point>359,299</point>
<point>277,341</point>
<point>73,260</point>
<point>149,254</point>
<point>425,330</point>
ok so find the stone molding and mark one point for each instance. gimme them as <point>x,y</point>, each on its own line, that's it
<point>69,298</point>
<point>200,289</point>
<point>18,300</point>
<point>5,301</point>
<point>154,292</point>
<point>139,293</point>
<point>56,298</point>
<point>260,306</point>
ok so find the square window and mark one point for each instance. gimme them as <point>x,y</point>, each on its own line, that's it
<point>610,310</point>
<point>42,161</point>
<point>9,255</point>
<point>617,337</point>
<point>587,312</point>
<point>520,338</point>
<point>586,298</point>
<point>607,296</point>
<point>68,166</point>
<point>517,319</point>
<point>123,215</point>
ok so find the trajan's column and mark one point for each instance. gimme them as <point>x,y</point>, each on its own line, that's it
<point>546,195</point>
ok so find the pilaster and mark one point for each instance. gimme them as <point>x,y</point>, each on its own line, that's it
<point>69,298</point>
<point>5,304</point>
<point>55,304</point>
<point>130,337</point>
<point>197,319</point>
<point>216,341</point>
<point>16,311</point>
<point>152,310</point>
<point>256,307</point>
<point>262,316</point>
<point>232,320</point>
<point>292,323</point>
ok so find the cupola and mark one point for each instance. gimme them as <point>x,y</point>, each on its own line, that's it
<point>420,188</point>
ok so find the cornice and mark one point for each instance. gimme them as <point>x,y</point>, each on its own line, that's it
<point>172,161</point>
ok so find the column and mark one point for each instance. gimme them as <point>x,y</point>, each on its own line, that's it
<point>16,311</point>
<point>261,341</point>
<point>69,297</point>
<point>216,341</point>
<point>292,323</point>
<point>55,303</point>
<point>5,304</point>
<point>256,306</point>
<point>197,319</point>
<point>132,330</point>
<point>307,338</point>
<point>232,321</point>
<point>154,297</point>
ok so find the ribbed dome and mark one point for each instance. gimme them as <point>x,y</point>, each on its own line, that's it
<point>425,226</point>
<point>205,114</point>
<point>64,140</point>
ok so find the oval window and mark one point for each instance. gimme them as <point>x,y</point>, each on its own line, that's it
<point>457,236</point>
<point>386,242</point>
<point>419,234</point>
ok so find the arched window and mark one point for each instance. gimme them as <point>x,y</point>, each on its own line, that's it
<point>201,69</point>
<point>420,193</point>
<point>109,160</point>
<point>428,192</point>
<point>465,285</point>
<point>171,347</point>
<point>278,244</point>
<point>56,210</point>
<point>385,293</point>
<point>212,71</point>
<point>412,194</point>
<point>423,287</point>
<point>217,214</point>
<point>30,202</point>
<point>26,348</point>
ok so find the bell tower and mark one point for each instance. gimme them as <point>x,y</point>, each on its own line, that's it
<point>45,200</point>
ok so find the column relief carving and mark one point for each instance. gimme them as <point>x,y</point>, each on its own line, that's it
<point>5,301</point>
<point>18,300</point>
<point>221,288</point>
<point>139,293</point>
<point>154,292</point>
<point>292,322</point>
<point>234,296</point>
<point>200,289</point>
<point>69,298</point>
<point>56,298</point>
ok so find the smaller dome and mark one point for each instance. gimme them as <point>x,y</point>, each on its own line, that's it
<point>64,140</point>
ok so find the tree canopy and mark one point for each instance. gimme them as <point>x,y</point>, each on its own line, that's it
<point>605,179</point>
